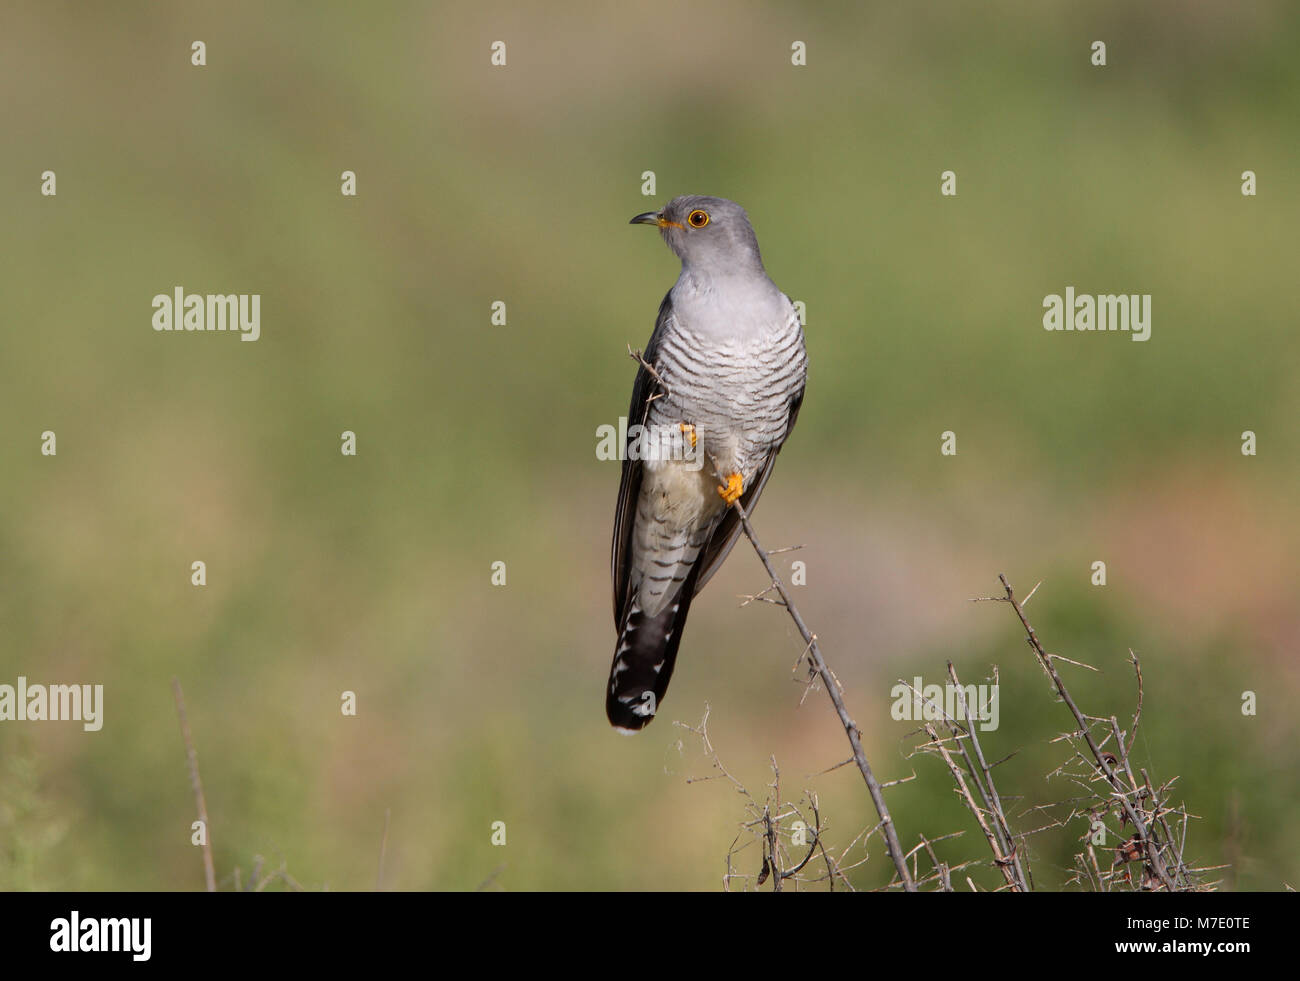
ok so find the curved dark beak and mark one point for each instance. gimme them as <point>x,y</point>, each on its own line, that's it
<point>649,218</point>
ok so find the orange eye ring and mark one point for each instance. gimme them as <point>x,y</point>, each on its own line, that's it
<point>698,218</point>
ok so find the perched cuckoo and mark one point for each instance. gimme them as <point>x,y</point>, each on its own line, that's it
<point>717,394</point>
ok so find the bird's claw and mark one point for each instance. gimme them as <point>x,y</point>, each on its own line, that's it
<point>735,486</point>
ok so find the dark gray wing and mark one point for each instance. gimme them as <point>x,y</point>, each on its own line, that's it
<point>629,486</point>
<point>729,528</point>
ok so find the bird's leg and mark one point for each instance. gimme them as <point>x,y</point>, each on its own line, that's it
<point>689,430</point>
<point>734,488</point>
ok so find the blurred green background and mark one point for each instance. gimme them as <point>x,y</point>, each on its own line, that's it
<point>476,443</point>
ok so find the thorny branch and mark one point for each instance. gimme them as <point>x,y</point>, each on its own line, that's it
<point>767,827</point>
<point>998,835</point>
<point>1130,798</point>
<point>818,664</point>
<point>192,761</point>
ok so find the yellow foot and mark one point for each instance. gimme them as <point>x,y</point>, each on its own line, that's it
<point>735,487</point>
<point>687,428</point>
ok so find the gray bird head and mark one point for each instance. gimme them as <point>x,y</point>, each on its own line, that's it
<point>709,234</point>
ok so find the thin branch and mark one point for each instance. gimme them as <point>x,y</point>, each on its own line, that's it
<point>1137,716</point>
<point>663,388</point>
<point>1002,861</point>
<point>1143,832</point>
<point>491,878</point>
<point>991,799</point>
<point>383,851</point>
<point>192,760</point>
<point>832,689</point>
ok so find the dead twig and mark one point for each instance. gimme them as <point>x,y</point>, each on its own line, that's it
<point>1106,762</point>
<point>383,851</point>
<point>192,761</point>
<point>851,730</point>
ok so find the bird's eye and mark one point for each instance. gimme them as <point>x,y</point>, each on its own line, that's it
<point>698,219</point>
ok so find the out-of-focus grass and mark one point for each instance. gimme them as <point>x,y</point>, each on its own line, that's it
<point>476,444</point>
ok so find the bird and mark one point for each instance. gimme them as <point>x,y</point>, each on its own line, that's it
<point>723,374</point>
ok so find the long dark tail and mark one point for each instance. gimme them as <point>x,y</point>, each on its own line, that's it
<point>644,659</point>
